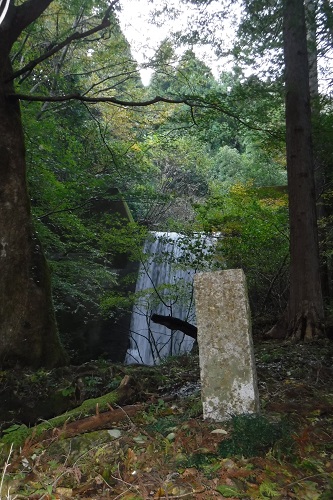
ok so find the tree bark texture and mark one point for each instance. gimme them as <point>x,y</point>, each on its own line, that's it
<point>28,333</point>
<point>305,309</point>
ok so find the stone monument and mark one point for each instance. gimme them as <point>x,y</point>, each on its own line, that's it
<point>227,366</point>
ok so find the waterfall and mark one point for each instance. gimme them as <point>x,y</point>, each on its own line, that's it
<point>164,286</point>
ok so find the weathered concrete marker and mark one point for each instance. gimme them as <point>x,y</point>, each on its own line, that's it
<point>227,366</point>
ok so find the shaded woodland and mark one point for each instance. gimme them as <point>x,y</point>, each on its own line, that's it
<point>108,159</point>
<point>92,162</point>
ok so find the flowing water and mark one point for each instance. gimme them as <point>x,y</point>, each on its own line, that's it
<point>164,286</point>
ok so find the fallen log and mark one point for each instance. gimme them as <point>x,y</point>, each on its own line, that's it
<point>176,324</point>
<point>99,421</point>
<point>90,408</point>
<point>95,422</point>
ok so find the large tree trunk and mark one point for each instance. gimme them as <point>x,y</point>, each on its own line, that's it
<point>305,308</point>
<point>28,333</point>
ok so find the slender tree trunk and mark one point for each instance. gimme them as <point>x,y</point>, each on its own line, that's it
<point>28,332</point>
<point>305,308</point>
<point>320,168</point>
<point>310,7</point>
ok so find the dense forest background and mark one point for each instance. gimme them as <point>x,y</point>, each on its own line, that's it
<point>189,153</point>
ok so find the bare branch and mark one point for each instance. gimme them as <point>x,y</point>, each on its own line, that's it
<point>62,210</point>
<point>95,100</point>
<point>128,75</point>
<point>192,116</point>
<point>103,68</point>
<point>20,50</point>
<point>59,64</point>
<point>195,102</point>
<point>105,23</point>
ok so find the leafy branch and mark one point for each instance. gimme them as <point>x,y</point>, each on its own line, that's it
<point>56,48</point>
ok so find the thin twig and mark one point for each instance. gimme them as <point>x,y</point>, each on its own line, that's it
<point>5,467</point>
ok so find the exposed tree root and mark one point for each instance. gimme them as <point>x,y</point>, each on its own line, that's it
<point>304,326</point>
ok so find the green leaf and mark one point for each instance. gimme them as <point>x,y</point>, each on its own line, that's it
<point>268,489</point>
<point>12,428</point>
<point>228,491</point>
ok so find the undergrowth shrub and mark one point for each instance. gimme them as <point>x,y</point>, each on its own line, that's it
<point>250,436</point>
<point>255,435</point>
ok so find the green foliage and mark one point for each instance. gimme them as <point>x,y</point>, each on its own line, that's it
<point>239,128</point>
<point>126,237</point>
<point>228,166</point>
<point>164,160</point>
<point>15,435</point>
<point>72,162</point>
<point>254,435</point>
<point>179,76</point>
<point>68,391</point>
<point>163,425</point>
<point>200,460</point>
<point>64,187</point>
<point>252,225</point>
<point>113,302</point>
<point>268,489</point>
<point>229,491</point>
<point>77,158</point>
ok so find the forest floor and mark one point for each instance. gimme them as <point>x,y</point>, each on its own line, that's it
<point>163,449</point>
